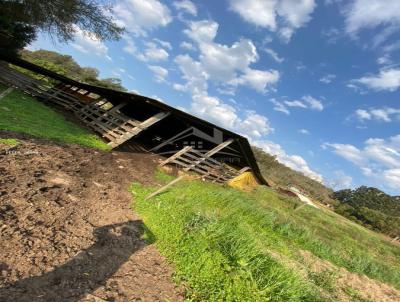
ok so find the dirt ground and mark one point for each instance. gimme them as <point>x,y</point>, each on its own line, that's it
<point>67,232</point>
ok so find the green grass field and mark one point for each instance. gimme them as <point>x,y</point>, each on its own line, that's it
<point>229,245</point>
<point>22,113</point>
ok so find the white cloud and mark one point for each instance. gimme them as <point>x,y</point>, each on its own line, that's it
<point>202,31</point>
<point>229,66</point>
<point>366,14</point>
<point>163,43</point>
<point>307,102</point>
<point>295,103</point>
<point>362,114</point>
<point>254,125</point>
<point>273,55</point>
<point>257,79</point>
<point>379,159</point>
<point>212,108</point>
<point>313,103</point>
<point>387,79</point>
<point>160,73</point>
<point>296,13</point>
<point>86,42</point>
<point>259,13</point>
<point>278,106</point>
<point>385,114</point>
<point>186,6</point>
<point>384,60</point>
<point>341,181</point>
<point>304,131</point>
<point>284,16</point>
<point>187,45</point>
<point>347,151</point>
<point>332,35</point>
<point>327,78</point>
<point>152,51</point>
<point>294,162</point>
<point>193,73</point>
<point>141,16</point>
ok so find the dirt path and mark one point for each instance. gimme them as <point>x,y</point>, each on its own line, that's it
<point>67,232</point>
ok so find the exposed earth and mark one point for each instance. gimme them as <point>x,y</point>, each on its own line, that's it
<point>67,232</point>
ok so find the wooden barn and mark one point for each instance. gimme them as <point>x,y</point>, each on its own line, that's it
<point>130,121</point>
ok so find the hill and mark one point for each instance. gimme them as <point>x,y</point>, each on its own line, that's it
<point>284,176</point>
<point>366,206</point>
<point>371,208</point>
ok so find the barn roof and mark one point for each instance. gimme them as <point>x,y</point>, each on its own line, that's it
<point>120,96</point>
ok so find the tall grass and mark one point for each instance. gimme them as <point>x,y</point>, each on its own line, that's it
<point>223,242</point>
<point>22,113</point>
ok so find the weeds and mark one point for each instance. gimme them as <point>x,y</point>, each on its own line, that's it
<point>219,241</point>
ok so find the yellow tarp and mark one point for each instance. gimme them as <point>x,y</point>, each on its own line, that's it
<point>245,181</point>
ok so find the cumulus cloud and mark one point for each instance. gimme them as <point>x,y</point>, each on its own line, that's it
<point>366,14</point>
<point>187,46</point>
<point>327,78</point>
<point>385,114</point>
<point>152,52</point>
<point>160,73</point>
<point>384,60</point>
<point>229,65</point>
<point>387,79</point>
<point>313,103</point>
<point>295,103</point>
<point>274,55</point>
<point>278,106</point>
<point>285,16</point>
<point>141,16</point>
<point>341,181</point>
<point>213,109</point>
<point>86,42</point>
<point>254,125</point>
<point>186,6</point>
<point>304,131</point>
<point>378,159</point>
<point>306,102</point>
<point>294,162</point>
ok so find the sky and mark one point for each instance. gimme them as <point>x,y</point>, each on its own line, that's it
<point>316,83</point>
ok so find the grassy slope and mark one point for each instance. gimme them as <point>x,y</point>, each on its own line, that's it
<point>224,243</point>
<point>22,113</point>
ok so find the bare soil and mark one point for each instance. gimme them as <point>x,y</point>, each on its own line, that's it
<point>67,232</point>
<point>365,288</point>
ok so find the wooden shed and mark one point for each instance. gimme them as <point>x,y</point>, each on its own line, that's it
<point>126,120</point>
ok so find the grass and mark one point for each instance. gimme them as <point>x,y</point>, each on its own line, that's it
<point>12,142</point>
<point>224,243</point>
<point>22,113</point>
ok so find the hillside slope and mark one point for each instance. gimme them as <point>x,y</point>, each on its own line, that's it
<point>234,246</point>
<point>284,176</point>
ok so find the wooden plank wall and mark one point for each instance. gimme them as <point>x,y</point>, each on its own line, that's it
<point>93,110</point>
<point>210,169</point>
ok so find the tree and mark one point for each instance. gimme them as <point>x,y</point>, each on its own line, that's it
<point>59,18</point>
<point>66,65</point>
<point>14,35</point>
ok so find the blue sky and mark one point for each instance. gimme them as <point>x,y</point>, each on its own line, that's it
<point>316,83</point>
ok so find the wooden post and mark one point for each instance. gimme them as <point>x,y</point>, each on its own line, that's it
<point>162,189</point>
<point>176,155</point>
